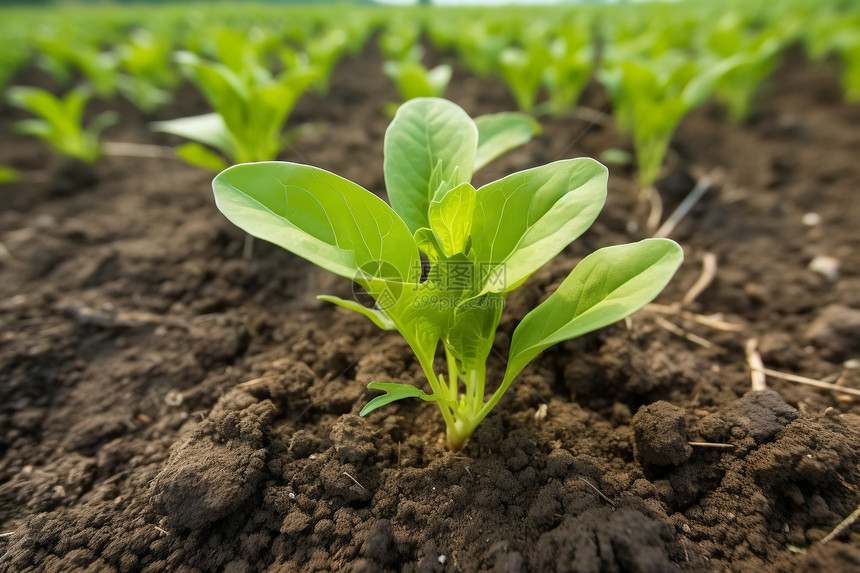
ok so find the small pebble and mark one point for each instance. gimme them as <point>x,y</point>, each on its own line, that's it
<point>173,398</point>
<point>827,267</point>
<point>811,219</point>
<point>442,559</point>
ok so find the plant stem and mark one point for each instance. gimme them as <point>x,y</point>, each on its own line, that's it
<point>453,374</point>
<point>494,399</point>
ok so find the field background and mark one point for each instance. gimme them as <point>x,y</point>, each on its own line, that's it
<point>168,402</point>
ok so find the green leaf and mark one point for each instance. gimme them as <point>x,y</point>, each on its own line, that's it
<point>102,121</point>
<point>498,133</point>
<point>451,218</point>
<point>605,287</point>
<point>378,316</point>
<point>429,140</point>
<point>393,391</point>
<point>524,220</point>
<point>38,102</point>
<point>470,336</point>
<point>324,218</point>
<point>522,70</point>
<point>208,129</point>
<point>199,156</point>
<point>428,243</point>
<point>420,320</point>
<point>35,127</point>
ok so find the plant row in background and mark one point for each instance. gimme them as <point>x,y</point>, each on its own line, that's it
<point>656,62</point>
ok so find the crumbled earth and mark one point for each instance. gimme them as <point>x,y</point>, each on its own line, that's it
<point>169,405</point>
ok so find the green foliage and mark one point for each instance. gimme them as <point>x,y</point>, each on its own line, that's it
<point>480,244</point>
<point>251,107</point>
<point>413,79</point>
<point>650,98</point>
<point>570,65</point>
<point>150,77</point>
<point>400,41</point>
<point>523,69</point>
<point>498,133</point>
<point>757,53</point>
<point>850,55</point>
<point>60,121</point>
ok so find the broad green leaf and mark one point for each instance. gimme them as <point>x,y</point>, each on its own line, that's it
<point>605,287</point>
<point>200,156</point>
<point>376,315</point>
<point>208,129</point>
<point>393,391</point>
<point>427,242</point>
<point>429,140</point>
<point>524,220</point>
<point>501,132</point>
<point>420,318</point>
<point>451,218</point>
<point>321,217</point>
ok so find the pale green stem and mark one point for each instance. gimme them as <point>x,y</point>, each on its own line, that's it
<point>438,390</point>
<point>453,374</point>
<point>478,377</point>
<point>494,399</point>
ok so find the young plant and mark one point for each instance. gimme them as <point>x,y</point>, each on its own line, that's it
<point>414,80</point>
<point>250,112</point>
<point>567,72</point>
<point>522,70</point>
<point>150,76</point>
<point>651,98</point>
<point>480,243</point>
<point>758,56</point>
<point>401,40</point>
<point>99,68</point>
<point>60,121</point>
<point>323,52</point>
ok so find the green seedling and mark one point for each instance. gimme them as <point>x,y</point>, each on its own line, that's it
<point>323,52</point>
<point>523,69</point>
<point>60,121</point>
<point>480,245</point>
<point>250,112</point>
<point>414,80</point>
<point>567,73</point>
<point>150,77</point>
<point>651,98</point>
<point>401,41</point>
<point>757,55</point>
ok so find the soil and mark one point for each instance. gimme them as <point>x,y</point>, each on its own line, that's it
<point>168,405</point>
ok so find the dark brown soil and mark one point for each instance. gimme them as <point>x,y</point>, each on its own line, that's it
<point>166,404</point>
